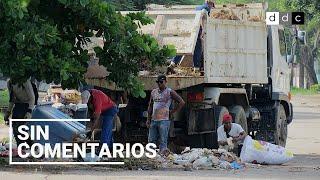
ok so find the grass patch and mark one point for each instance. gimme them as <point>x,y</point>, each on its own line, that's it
<point>4,98</point>
<point>5,140</point>
<point>1,118</point>
<point>302,91</point>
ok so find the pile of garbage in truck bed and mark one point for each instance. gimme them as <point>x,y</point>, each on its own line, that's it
<point>229,14</point>
<point>178,71</point>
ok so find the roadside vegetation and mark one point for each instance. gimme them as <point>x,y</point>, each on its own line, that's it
<point>48,40</point>
<point>1,118</point>
<point>4,102</point>
<point>4,98</point>
<point>314,89</point>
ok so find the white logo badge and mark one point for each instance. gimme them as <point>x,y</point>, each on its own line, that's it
<point>272,18</point>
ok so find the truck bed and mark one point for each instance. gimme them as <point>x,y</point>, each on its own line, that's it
<point>235,40</point>
<point>235,44</point>
<point>174,82</point>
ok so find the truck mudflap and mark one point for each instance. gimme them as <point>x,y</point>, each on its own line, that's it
<point>290,117</point>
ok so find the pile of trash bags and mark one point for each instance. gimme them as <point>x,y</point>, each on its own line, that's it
<point>202,159</point>
<point>253,151</point>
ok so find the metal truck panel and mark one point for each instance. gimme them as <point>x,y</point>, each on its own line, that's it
<point>178,28</point>
<point>235,52</point>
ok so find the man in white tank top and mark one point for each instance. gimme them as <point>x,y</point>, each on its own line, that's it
<point>159,112</point>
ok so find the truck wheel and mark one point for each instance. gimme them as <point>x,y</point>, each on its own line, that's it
<point>240,117</point>
<point>281,131</point>
<point>218,114</point>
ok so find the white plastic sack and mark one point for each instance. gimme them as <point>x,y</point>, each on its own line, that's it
<point>214,160</point>
<point>193,155</point>
<point>263,152</point>
<point>88,158</point>
<point>225,165</point>
<point>203,162</point>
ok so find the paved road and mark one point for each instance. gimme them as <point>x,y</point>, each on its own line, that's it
<point>303,140</point>
<point>304,137</point>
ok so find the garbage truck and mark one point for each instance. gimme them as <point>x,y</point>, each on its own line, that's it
<point>244,72</point>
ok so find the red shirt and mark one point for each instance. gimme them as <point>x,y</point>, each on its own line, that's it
<point>101,102</point>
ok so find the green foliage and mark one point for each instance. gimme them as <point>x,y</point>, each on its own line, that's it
<point>129,5</point>
<point>312,12</point>
<point>315,87</point>
<point>5,140</point>
<point>4,98</point>
<point>302,91</point>
<point>1,118</point>
<point>46,38</point>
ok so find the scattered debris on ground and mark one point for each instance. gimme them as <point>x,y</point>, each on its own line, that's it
<point>189,159</point>
<point>297,169</point>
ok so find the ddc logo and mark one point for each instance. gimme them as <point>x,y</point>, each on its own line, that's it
<point>290,18</point>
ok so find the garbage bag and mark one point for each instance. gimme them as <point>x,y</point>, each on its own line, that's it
<point>263,152</point>
<point>214,160</point>
<point>193,155</point>
<point>203,162</point>
<point>88,158</point>
<point>225,165</point>
<point>182,162</point>
<point>235,165</point>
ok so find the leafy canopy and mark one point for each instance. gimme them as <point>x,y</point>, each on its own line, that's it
<point>141,4</point>
<point>45,39</point>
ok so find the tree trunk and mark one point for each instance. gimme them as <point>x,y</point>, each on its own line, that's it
<point>301,69</point>
<point>291,74</point>
<point>307,63</point>
<point>301,76</point>
<point>312,72</point>
<point>313,57</point>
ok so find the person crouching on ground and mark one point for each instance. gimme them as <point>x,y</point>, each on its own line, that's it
<point>159,112</point>
<point>104,110</point>
<point>229,129</point>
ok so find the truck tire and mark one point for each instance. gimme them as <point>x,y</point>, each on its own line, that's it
<point>239,116</point>
<point>281,130</point>
<point>219,111</point>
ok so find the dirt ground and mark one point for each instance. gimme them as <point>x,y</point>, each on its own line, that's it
<point>303,140</point>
